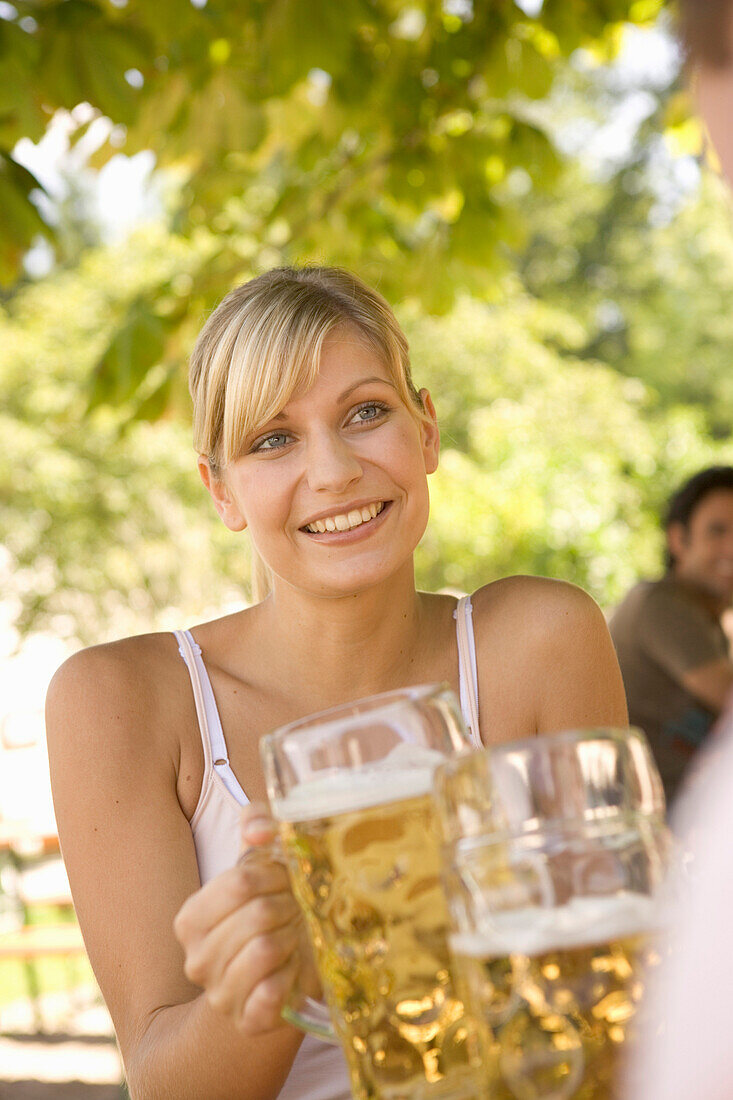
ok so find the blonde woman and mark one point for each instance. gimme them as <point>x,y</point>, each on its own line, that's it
<point>310,434</point>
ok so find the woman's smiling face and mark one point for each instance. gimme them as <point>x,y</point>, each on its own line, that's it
<point>334,488</point>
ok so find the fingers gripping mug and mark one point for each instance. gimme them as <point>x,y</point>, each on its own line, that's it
<point>351,789</point>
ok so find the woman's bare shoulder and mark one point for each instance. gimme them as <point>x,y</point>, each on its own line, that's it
<point>538,618</point>
<point>139,658</point>
<point>127,683</point>
<point>547,644</point>
<point>539,602</point>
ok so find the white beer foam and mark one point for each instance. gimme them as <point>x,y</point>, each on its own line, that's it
<point>406,772</point>
<point>582,922</point>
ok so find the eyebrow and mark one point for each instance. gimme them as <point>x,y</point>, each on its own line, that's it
<point>349,390</point>
<point>364,382</point>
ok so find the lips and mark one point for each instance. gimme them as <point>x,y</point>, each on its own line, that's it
<point>318,530</point>
<point>347,520</point>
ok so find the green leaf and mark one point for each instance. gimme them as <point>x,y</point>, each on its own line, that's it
<point>21,220</point>
<point>298,37</point>
<point>84,56</point>
<point>136,346</point>
<point>21,114</point>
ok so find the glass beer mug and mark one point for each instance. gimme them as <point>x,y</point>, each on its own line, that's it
<point>351,789</point>
<point>554,860</point>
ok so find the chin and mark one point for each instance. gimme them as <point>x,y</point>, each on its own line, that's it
<point>352,582</point>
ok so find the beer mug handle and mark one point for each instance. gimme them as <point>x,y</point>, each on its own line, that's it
<point>312,1017</point>
<point>304,1012</point>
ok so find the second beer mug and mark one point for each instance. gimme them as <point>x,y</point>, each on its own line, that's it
<point>555,853</point>
<point>352,791</point>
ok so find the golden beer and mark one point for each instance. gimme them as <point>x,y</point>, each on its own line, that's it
<point>368,881</point>
<point>563,1017</point>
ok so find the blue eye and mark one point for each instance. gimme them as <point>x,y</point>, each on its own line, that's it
<point>272,442</point>
<point>371,410</point>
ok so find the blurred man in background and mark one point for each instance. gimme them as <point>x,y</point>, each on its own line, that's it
<point>674,654</point>
<point>693,1055</point>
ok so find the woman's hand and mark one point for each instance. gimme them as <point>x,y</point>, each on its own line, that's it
<point>243,935</point>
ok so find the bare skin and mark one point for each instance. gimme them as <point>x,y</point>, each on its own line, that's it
<point>126,755</point>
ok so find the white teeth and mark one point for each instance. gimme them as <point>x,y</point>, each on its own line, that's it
<point>346,520</point>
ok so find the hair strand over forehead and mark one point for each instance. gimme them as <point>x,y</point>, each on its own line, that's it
<point>264,342</point>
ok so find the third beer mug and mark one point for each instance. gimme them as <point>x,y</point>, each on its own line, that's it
<point>352,790</point>
<point>554,858</point>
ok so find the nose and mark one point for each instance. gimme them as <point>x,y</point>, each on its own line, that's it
<point>332,464</point>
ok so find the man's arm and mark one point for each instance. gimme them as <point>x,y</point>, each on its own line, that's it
<point>711,683</point>
<point>683,640</point>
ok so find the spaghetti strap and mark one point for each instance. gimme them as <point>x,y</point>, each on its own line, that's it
<point>216,756</point>
<point>467,669</point>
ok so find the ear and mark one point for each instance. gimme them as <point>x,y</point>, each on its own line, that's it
<point>677,539</point>
<point>224,502</point>
<point>430,434</point>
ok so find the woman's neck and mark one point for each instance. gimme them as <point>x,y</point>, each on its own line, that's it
<point>331,650</point>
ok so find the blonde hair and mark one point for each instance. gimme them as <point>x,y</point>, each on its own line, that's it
<point>263,342</point>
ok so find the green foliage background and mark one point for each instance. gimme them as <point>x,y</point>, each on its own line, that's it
<point>577,346</point>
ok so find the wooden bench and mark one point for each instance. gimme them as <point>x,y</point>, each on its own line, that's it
<point>32,941</point>
<point>33,878</point>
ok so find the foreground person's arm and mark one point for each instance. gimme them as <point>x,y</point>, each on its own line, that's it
<point>131,862</point>
<point>686,1049</point>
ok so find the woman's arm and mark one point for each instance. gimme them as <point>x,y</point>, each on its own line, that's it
<point>131,862</point>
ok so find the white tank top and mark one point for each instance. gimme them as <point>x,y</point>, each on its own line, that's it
<point>319,1070</point>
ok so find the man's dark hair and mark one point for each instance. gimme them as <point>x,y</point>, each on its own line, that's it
<point>683,503</point>
<point>705,29</point>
